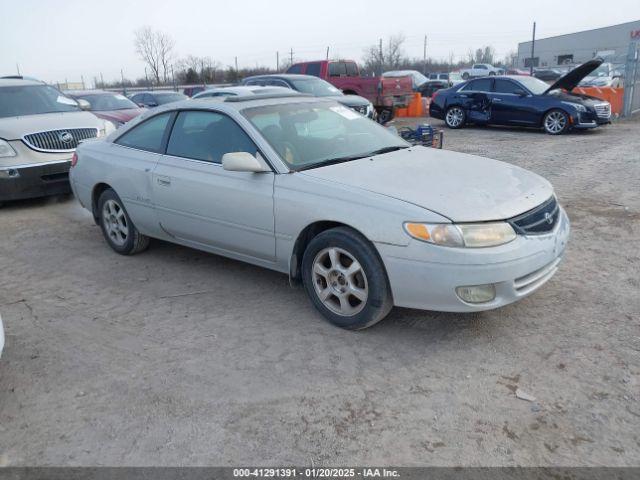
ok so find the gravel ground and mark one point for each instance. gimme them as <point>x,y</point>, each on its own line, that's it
<point>176,357</point>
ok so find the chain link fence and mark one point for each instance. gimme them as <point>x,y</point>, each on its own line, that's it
<point>632,81</point>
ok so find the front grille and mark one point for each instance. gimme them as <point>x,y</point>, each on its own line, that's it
<point>540,220</point>
<point>533,280</point>
<point>603,110</point>
<point>59,140</point>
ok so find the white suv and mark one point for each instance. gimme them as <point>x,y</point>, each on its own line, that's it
<point>40,129</point>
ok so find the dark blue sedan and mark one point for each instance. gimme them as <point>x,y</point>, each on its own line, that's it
<point>522,101</point>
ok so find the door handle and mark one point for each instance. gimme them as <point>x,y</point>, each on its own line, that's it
<point>163,181</point>
<point>497,100</point>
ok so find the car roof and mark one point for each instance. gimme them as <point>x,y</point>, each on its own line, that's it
<point>246,89</point>
<point>285,76</point>
<point>156,92</point>
<point>18,82</point>
<point>90,92</point>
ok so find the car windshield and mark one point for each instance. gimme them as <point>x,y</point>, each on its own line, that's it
<point>534,85</point>
<point>315,86</point>
<point>33,99</point>
<point>101,102</point>
<point>163,98</point>
<point>310,135</point>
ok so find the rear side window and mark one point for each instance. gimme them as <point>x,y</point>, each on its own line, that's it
<point>506,86</point>
<point>480,85</point>
<point>313,69</point>
<point>352,69</point>
<point>337,69</point>
<point>148,135</point>
<point>295,69</point>
<point>207,136</point>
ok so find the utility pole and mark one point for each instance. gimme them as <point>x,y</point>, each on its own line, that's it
<point>533,49</point>
<point>82,80</point>
<point>18,68</point>
<point>237,73</point>
<point>327,53</point>
<point>102,79</point>
<point>381,59</point>
<point>424,56</point>
<point>291,56</point>
<point>277,62</point>
<point>124,89</point>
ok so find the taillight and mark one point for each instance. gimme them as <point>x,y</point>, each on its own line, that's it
<point>74,159</point>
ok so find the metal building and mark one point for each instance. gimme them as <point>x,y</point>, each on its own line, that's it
<point>611,43</point>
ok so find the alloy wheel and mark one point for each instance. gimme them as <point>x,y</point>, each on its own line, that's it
<point>339,281</point>
<point>115,222</point>
<point>555,122</point>
<point>455,117</point>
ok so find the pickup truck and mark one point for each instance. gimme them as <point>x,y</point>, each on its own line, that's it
<point>384,93</point>
<point>479,70</point>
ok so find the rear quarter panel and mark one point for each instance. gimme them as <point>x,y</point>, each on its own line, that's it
<point>127,171</point>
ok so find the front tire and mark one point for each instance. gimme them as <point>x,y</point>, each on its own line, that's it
<point>117,228</point>
<point>556,122</point>
<point>455,117</point>
<point>345,279</point>
<point>465,75</point>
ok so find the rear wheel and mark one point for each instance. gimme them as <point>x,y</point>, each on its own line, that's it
<point>465,75</point>
<point>556,122</point>
<point>455,117</point>
<point>345,279</point>
<point>117,228</point>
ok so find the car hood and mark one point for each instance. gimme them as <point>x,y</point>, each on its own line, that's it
<point>119,116</point>
<point>14,128</point>
<point>570,80</point>
<point>461,187</point>
<point>350,100</point>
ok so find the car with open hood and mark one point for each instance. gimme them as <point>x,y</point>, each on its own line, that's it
<point>40,128</point>
<point>523,101</point>
<point>307,187</point>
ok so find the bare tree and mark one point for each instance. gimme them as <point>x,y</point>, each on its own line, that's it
<point>155,48</point>
<point>387,56</point>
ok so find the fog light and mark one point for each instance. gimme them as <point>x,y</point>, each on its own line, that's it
<point>477,293</point>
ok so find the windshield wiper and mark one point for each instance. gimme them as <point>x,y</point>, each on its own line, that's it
<point>333,161</point>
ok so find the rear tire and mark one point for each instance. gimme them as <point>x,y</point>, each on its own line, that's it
<point>455,117</point>
<point>345,279</point>
<point>117,228</point>
<point>465,75</point>
<point>556,122</point>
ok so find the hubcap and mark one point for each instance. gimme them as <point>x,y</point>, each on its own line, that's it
<point>340,281</point>
<point>455,117</point>
<point>115,222</point>
<point>555,122</point>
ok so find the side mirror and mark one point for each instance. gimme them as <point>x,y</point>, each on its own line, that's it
<point>83,104</point>
<point>520,92</point>
<point>242,162</point>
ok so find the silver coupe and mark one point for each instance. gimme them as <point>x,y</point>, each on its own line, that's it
<point>310,188</point>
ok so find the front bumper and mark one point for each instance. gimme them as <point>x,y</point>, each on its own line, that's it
<point>425,276</point>
<point>586,120</point>
<point>34,180</point>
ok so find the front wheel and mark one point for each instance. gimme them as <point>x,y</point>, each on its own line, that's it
<point>556,122</point>
<point>345,279</point>
<point>465,75</point>
<point>117,228</point>
<point>455,117</point>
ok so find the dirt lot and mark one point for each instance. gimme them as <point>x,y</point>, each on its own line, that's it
<point>176,357</point>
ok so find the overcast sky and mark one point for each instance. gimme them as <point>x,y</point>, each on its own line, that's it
<point>62,40</point>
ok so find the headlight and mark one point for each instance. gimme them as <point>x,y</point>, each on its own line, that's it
<point>6,150</point>
<point>472,235</point>
<point>108,127</point>
<point>577,106</point>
